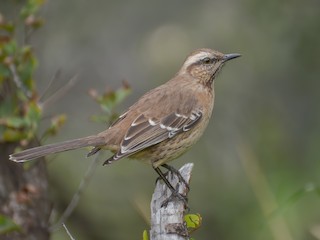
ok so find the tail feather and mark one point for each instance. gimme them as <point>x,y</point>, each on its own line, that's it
<point>41,151</point>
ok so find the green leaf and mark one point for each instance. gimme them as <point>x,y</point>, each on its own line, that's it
<point>110,99</point>
<point>145,235</point>
<point>31,7</point>
<point>7,225</point>
<point>7,26</point>
<point>7,107</point>
<point>4,72</point>
<point>33,114</point>
<point>10,48</point>
<point>27,64</point>
<point>121,94</point>
<point>193,222</point>
<point>13,122</point>
<point>12,135</point>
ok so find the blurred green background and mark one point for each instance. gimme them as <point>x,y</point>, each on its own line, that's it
<point>256,173</point>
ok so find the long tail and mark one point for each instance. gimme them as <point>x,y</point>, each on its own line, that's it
<point>41,151</point>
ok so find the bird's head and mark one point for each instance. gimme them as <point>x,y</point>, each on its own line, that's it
<point>204,64</point>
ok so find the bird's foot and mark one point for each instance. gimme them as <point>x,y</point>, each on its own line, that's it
<point>176,196</point>
<point>177,173</point>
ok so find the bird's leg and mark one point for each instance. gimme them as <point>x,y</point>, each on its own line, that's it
<point>163,177</point>
<point>175,193</point>
<point>160,178</point>
<point>175,171</point>
<point>178,174</point>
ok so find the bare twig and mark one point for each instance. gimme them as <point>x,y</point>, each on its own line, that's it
<point>60,92</point>
<point>76,197</point>
<point>167,222</point>
<point>67,231</point>
<point>54,77</point>
<point>27,34</point>
<point>18,81</point>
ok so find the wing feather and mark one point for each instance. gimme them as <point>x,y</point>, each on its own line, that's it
<point>145,132</point>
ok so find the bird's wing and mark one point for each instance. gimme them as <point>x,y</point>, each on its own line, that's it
<point>145,132</point>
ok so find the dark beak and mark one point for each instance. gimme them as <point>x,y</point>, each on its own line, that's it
<point>230,56</point>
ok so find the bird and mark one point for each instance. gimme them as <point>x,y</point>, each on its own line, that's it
<point>162,125</point>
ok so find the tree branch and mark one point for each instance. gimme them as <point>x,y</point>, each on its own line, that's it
<point>60,92</point>
<point>167,222</point>
<point>18,81</point>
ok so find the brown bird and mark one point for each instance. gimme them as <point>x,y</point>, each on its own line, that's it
<point>162,125</point>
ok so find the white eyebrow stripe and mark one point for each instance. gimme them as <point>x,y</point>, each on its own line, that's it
<point>196,58</point>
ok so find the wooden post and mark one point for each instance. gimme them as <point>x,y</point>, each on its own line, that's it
<point>167,222</point>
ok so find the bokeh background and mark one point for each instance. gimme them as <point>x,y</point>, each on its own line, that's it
<point>256,173</point>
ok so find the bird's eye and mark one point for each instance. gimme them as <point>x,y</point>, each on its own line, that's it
<point>207,60</point>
